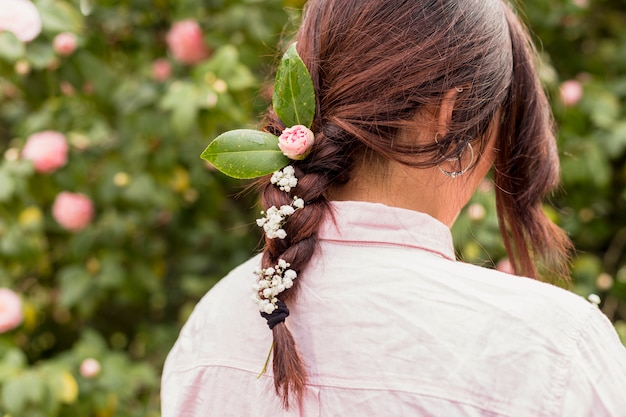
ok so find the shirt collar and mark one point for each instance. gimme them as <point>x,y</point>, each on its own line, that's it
<point>375,223</point>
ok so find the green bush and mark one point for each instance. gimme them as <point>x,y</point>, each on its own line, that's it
<point>104,294</point>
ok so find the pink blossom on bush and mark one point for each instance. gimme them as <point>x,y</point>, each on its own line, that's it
<point>476,211</point>
<point>89,368</point>
<point>186,43</point>
<point>47,150</point>
<point>65,43</point>
<point>11,314</point>
<point>67,88</point>
<point>295,142</point>
<point>22,67</point>
<point>73,211</point>
<point>20,17</point>
<point>161,69</point>
<point>505,265</point>
<point>571,92</point>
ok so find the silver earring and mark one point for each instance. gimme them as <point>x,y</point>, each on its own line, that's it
<point>454,174</point>
<point>459,89</point>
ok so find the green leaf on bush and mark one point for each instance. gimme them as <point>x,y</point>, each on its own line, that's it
<point>39,54</point>
<point>59,16</point>
<point>181,98</point>
<point>294,96</point>
<point>11,49</point>
<point>7,185</point>
<point>245,153</point>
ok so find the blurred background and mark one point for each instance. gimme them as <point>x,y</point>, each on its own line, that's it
<point>112,227</point>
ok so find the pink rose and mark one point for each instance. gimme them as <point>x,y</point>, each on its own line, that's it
<point>571,92</point>
<point>186,43</point>
<point>72,211</point>
<point>11,314</point>
<point>295,142</point>
<point>504,265</point>
<point>64,43</point>
<point>20,17</point>
<point>89,368</point>
<point>161,69</point>
<point>476,211</point>
<point>47,150</point>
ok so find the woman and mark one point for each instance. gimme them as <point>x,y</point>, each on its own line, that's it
<point>414,102</point>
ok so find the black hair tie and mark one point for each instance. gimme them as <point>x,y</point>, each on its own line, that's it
<point>277,316</point>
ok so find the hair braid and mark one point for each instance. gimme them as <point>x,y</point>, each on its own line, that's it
<point>328,164</point>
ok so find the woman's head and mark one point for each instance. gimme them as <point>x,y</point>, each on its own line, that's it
<point>377,67</point>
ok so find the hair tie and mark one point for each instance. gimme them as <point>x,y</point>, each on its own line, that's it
<point>277,316</point>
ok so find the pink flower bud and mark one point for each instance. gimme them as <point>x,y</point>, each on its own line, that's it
<point>20,17</point>
<point>295,142</point>
<point>476,211</point>
<point>22,67</point>
<point>571,92</point>
<point>11,314</point>
<point>89,368</point>
<point>47,150</point>
<point>72,211</point>
<point>64,43</point>
<point>186,43</point>
<point>504,265</point>
<point>161,69</point>
<point>67,88</point>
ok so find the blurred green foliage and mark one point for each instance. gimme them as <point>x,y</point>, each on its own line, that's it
<point>167,227</point>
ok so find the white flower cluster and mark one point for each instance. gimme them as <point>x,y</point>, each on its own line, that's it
<point>274,219</point>
<point>594,299</point>
<point>270,283</point>
<point>285,179</point>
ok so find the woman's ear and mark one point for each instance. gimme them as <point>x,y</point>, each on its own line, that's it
<point>444,116</point>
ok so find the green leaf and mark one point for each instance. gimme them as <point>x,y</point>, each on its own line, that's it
<point>245,153</point>
<point>39,54</point>
<point>59,16</point>
<point>182,98</point>
<point>7,185</point>
<point>75,284</point>
<point>294,96</point>
<point>11,48</point>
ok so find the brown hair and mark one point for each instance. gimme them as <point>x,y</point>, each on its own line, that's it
<point>374,65</point>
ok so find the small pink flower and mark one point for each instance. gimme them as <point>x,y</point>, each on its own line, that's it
<point>20,17</point>
<point>161,69</point>
<point>296,142</point>
<point>571,92</point>
<point>11,314</point>
<point>47,150</point>
<point>89,368</point>
<point>67,88</point>
<point>186,43</point>
<point>72,211</point>
<point>65,43</point>
<point>22,67</point>
<point>476,211</point>
<point>505,265</point>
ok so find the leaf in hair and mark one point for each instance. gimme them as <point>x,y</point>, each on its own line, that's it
<point>294,96</point>
<point>245,153</point>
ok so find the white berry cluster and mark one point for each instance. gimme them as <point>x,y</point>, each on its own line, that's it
<point>273,220</point>
<point>285,179</point>
<point>270,283</point>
